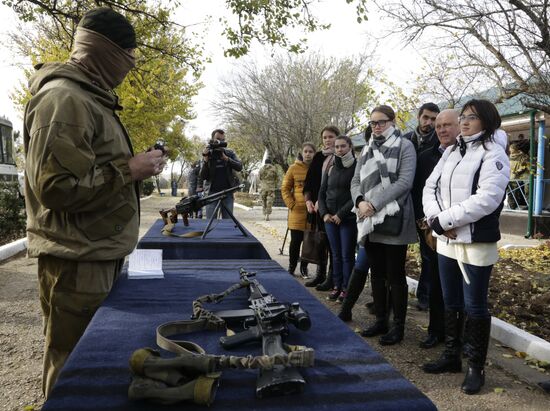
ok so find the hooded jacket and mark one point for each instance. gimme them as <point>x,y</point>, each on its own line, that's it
<point>81,201</point>
<point>467,192</point>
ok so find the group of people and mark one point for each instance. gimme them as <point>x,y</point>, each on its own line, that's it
<point>441,185</point>
<point>82,183</point>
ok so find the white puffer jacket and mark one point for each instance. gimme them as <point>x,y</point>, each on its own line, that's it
<point>467,193</point>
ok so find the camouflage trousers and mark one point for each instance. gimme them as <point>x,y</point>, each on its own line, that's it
<point>70,293</point>
<point>268,196</point>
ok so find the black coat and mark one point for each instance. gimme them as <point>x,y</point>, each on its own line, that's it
<point>428,142</point>
<point>335,194</point>
<point>312,183</point>
<point>425,163</point>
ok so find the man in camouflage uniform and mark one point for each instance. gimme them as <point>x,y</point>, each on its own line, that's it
<point>81,180</point>
<point>269,180</point>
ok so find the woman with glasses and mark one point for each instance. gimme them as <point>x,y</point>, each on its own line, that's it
<point>292,193</point>
<point>462,200</point>
<point>335,206</point>
<point>381,190</point>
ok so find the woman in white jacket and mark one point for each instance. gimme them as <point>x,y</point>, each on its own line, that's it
<point>462,200</point>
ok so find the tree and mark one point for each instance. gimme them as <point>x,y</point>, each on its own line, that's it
<point>156,95</point>
<point>507,40</point>
<point>292,99</point>
<point>248,149</point>
<point>441,81</point>
<point>263,20</point>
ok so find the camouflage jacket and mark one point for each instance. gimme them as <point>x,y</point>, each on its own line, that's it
<point>269,179</point>
<point>81,202</point>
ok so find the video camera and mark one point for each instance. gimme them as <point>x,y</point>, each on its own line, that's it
<point>216,148</point>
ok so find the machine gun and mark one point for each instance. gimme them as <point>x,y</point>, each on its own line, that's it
<point>267,320</point>
<point>194,203</point>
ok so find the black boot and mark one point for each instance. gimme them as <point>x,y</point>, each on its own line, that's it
<point>398,297</point>
<point>328,284</point>
<point>450,360</point>
<point>479,332</point>
<point>303,270</point>
<point>319,278</point>
<point>356,285</point>
<point>291,268</point>
<point>379,327</point>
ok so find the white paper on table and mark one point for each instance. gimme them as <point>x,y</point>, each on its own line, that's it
<point>145,264</point>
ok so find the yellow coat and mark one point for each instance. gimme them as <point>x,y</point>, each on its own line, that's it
<point>292,192</point>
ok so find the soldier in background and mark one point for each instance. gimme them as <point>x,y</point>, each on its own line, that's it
<point>269,181</point>
<point>195,183</point>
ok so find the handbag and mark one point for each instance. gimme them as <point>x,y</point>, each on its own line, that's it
<point>391,225</point>
<point>315,245</point>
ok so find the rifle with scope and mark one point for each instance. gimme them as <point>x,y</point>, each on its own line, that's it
<point>267,320</point>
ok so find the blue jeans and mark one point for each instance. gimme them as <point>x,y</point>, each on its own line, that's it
<point>342,239</point>
<point>459,296</point>
<point>227,201</point>
<point>362,262</point>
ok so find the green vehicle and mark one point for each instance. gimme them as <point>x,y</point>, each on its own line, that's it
<point>8,169</point>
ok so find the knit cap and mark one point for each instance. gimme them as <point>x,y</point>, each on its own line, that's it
<point>112,25</point>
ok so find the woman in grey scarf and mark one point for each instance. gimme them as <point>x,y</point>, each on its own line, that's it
<point>380,190</point>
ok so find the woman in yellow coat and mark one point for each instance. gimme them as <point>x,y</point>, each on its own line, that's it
<point>292,192</point>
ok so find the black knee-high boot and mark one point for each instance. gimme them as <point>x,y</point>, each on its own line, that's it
<point>479,332</point>
<point>398,296</point>
<point>450,359</point>
<point>355,288</point>
<point>319,278</point>
<point>328,284</point>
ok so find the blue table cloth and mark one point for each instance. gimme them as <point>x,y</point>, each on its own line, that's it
<point>224,242</point>
<point>348,374</point>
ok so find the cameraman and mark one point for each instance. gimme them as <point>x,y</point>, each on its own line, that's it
<point>217,172</point>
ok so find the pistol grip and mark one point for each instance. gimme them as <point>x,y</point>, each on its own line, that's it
<point>244,337</point>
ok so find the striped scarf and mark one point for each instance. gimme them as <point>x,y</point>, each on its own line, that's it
<point>378,171</point>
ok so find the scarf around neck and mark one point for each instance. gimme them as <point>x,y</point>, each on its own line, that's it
<point>378,172</point>
<point>103,61</point>
<point>347,159</point>
<point>328,151</point>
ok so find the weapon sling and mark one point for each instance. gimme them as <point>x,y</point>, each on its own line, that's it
<point>193,374</point>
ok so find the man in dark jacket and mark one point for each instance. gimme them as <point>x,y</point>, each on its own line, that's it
<point>81,180</point>
<point>423,138</point>
<point>194,183</point>
<point>218,172</point>
<point>447,129</point>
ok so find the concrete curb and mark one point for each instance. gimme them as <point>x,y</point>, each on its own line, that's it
<point>242,207</point>
<point>9,250</point>
<point>509,335</point>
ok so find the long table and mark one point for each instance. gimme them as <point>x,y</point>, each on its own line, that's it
<point>348,374</point>
<point>225,241</point>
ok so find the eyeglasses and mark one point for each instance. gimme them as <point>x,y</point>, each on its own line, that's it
<point>381,123</point>
<point>469,117</point>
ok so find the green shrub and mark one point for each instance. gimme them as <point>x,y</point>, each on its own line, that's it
<point>12,213</point>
